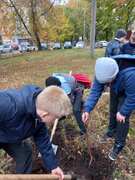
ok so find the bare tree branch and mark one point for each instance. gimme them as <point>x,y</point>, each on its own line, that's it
<point>19,15</point>
<point>47,10</point>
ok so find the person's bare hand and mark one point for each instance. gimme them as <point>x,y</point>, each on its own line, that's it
<point>85,117</point>
<point>58,171</point>
<point>120,118</point>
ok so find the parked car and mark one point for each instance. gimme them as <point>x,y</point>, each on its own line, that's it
<point>6,48</point>
<point>31,48</point>
<point>1,48</point>
<point>74,43</point>
<point>104,43</point>
<point>80,44</point>
<point>57,45</point>
<point>22,48</point>
<point>101,44</point>
<point>67,45</point>
<point>44,46</point>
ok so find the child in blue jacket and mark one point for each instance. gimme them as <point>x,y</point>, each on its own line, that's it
<point>75,92</point>
<point>107,72</point>
<point>114,46</point>
<point>24,113</point>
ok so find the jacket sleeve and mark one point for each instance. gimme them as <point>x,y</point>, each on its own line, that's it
<point>94,95</point>
<point>129,103</point>
<point>109,50</point>
<point>7,108</point>
<point>42,141</point>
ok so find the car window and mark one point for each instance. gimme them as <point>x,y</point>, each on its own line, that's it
<point>6,46</point>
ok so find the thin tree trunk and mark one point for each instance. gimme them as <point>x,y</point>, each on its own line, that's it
<point>20,17</point>
<point>35,28</point>
<point>93,27</point>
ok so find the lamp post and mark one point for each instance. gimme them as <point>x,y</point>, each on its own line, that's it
<point>93,27</point>
<point>84,25</point>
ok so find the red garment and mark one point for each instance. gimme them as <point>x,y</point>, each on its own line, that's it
<point>83,79</point>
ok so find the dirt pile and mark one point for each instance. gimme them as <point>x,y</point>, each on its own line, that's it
<point>86,157</point>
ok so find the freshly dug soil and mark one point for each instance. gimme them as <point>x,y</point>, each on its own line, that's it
<point>83,156</point>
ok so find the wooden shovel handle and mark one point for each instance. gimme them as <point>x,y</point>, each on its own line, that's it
<point>54,129</point>
<point>32,177</point>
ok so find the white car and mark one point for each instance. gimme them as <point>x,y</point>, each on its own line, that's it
<point>1,48</point>
<point>67,45</point>
<point>57,45</point>
<point>104,43</point>
<point>22,48</point>
<point>101,44</point>
<point>6,48</point>
<point>31,48</point>
<point>80,44</point>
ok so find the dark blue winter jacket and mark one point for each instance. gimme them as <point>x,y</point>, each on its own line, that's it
<point>124,85</point>
<point>18,121</point>
<point>113,48</point>
<point>125,61</point>
<point>128,48</point>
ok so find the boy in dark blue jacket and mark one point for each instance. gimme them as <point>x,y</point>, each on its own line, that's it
<point>129,48</point>
<point>107,71</point>
<point>24,113</point>
<point>114,46</point>
<point>75,92</point>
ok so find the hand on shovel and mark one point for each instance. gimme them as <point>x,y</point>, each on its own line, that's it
<point>58,171</point>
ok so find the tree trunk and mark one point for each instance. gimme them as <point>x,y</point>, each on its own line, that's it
<point>93,27</point>
<point>34,24</point>
<point>20,17</point>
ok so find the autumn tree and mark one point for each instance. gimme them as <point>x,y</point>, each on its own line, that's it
<point>7,20</point>
<point>112,15</point>
<point>29,13</point>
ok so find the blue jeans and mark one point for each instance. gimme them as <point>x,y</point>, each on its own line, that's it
<point>22,154</point>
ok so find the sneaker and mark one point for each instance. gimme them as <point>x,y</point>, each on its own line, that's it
<point>105,138</point>
<point>113,154</point>
<point>82,133</point>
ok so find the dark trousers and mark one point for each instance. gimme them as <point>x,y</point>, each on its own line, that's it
<point>120,130</point>
<point>22,154</point>
<point>77,108</point>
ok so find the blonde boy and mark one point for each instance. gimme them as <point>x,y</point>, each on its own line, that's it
<point>24,113</point>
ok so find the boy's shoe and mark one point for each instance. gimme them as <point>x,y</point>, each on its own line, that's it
<point>82,133</point>
<point>113,154</point>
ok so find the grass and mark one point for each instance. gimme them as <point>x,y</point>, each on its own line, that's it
<point>33,68</point>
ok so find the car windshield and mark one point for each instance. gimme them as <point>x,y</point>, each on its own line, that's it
<point>43,44</point>
<point>80,42</point>
<point>67,43</point>
<point>23,45</point>
<point>6,46</point>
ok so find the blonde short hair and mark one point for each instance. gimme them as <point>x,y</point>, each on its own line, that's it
<point>54,101</point>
